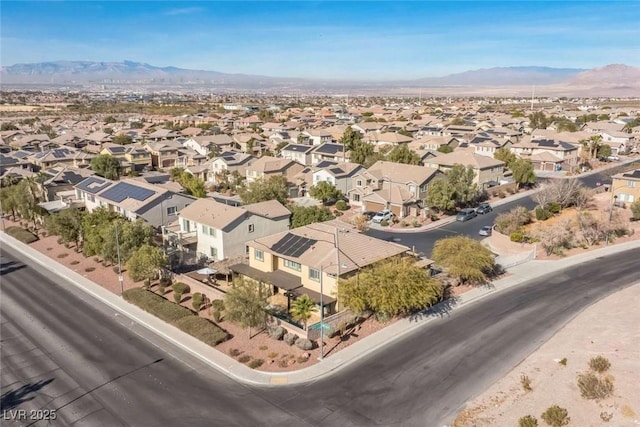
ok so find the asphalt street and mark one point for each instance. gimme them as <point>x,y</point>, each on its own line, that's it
<point>422,242</point>
<point>62,350</point>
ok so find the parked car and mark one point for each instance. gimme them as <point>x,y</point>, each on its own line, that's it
<point>466,215</point>
<point>483,208</point>
<point>613,158</point>
<point>384,215</point>
<point>485,231</point>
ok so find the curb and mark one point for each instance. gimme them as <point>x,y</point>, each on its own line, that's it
<point>220,361</point>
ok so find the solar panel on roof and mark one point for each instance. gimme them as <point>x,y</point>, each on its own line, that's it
<point>293,246</point>
<point>336,171</point>
<point>122,191</point>
<point>93,185</point>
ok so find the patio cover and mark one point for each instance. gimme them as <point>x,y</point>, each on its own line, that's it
<point>277,278</point>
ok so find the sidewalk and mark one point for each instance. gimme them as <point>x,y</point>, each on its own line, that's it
<point>349,355</point>
<point>563,174</point>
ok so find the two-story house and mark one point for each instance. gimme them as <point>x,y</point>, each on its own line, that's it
<point>318,136</point>
<point>267,166</point>
<point>133,199</point>
<point>395,186</point>
<point>229,163</point>
<point>340,175</point>
<point>547,154</point>
<point>330,151</point>
<point>222,230</point>
<point>300,153</point>
<point>309,260</point>
<point>625,187</point>
<point>487,170</point>
<point>164,154</point>
<point>206,143</point>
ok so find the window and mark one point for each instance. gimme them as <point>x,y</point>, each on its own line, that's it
<point>172,210</point>
<point>209,231</point>
<point>412,188</point>
<point>213,252</point>
<point>314,274</point>
<point>185,225</point>
<point>355,197</point>
<point>251,228</point>
<point>631,184</point>
<point>423,188</point>
<point>292,265</point>
<point>359,183</point>
<point>258,254</point>
<point>92,199</point>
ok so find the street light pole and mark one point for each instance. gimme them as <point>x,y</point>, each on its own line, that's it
<point>120,278</point>
<point>321,315</point>
<point>606,241</point>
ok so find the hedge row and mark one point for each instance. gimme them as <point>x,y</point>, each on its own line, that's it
<point>21,234</point>
<point>175,314</point>
<point>203,329</point>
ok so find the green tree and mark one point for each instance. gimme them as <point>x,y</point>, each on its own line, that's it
<point>456,188</point>
<point>10,198</point>
<point>360,151</point>
<point>538,120</point>
<point>302,309</point>
<point>265,115</point>
<point>245,304</point>
<point>122,139</point>
<point>523,172</point>
<point>592,145</point>
<point>350,138</point>
<point>635,210</point>
<point>191,183</point>
<point>68,225</point>
<point>260,190</point>
<point>305,215</point>
<point>604,151</point>
<point>403,154</point>
<point>92,234</point>
<point>445,149</point>
<point>106,166</point>
<point>324,191</point>
<point>145,263</point>
<point>463,258</point>
<point>505,155</point>
<point>8,126</point>
<point>391,287</point>
<point>458,121</point>
<point>110,119</point>
<point>439,195</point>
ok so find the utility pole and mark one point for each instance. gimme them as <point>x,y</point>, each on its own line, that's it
<point>120,278</point>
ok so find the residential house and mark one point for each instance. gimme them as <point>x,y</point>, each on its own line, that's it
<point>229,162</point>
<point>163,134</point>
<point>368,127</point>
<point>387,138</point>
<point>29,142</point>
<point>300,153</point>
<point>330,151</point>
<point>340,175</point>
<point>66,155</point>
<point>487,170</point>
<point>395,186</point>
<point>435,142</point>
<point>309,260</point>
<point>267,166</point>
<point>133,199</point>
<point>206,143</point>
<point>223,230</point>
<point>619,142</point>
<point>62,178</point>
<point>164,154</point>
<point>318,136</point>
<point>625,187</point>
<point>547,154</point>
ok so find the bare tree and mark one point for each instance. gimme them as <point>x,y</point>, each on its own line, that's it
<point>582,198</point>
<point>561,191</point>
<point>557,237</point>
<point>592,229</point>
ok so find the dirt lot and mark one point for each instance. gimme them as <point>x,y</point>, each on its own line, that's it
<point>598,330</point>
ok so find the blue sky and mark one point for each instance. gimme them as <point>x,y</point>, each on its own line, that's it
<point>337,39</point>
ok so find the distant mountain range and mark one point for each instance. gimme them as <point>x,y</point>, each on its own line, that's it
<point>611,78</point>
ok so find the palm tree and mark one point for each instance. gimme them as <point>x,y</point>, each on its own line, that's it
<point>592,145</point>
<point>302,309</point>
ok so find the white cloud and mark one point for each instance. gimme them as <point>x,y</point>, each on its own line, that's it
<point>184,11</point>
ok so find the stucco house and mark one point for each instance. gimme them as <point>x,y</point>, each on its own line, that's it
<point>487,170</point>
<point>222,230</point>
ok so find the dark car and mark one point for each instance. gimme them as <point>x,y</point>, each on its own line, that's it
<point>484,208</point>
<point>369,214</point>
<point>466,215</point>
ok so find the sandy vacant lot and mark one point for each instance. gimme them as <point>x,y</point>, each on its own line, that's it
<point>610,328</point>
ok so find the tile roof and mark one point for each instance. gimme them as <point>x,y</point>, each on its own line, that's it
<point>401,173</point>
<point>466,158</point>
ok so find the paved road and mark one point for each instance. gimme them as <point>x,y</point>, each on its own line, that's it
<point>422,242</point>
<point>61,350</point>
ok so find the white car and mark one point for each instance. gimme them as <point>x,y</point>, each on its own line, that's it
<point>384,215</point>
<point>613,158</point>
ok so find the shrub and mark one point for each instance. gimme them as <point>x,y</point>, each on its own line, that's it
<point>556,416</point>
<point>272,355</point>
<point>162,289</point>
<point>116,269</point>
<point>302,359</point>
<point>542,214</point>
<point>234,352</point>
<point>415,223</point>
<point>563,362</point>
<point>518,236</point>
<point>21,234</point>
<point>606,416</point>
<point>635,210</point>
<point>89,269</point>
<point>264,347</point>
<point>501,194</point>
<point>256,363</point>
<point>290,338</point>
<point>599,364</point>
<point>277,333</point>
<point>592,387</point>
<point>304,344</point>
<point>513,220</point>
<point>96,259</point>
<point>156,305</point>
<point>384,223</point>
<point>403,223</point>
<point>525,381</point>
<point>341,205</point>
<point>528,421</point>
<point>177,297</point>
<point>244,358</point>
<point>59,240</point>
<point>201,328</point>
<point>196,301</point>
<point>217,315</point>
<point>217,304</point>
<point>554,207</point>
<point>164,281</point>
<point>181,288</point>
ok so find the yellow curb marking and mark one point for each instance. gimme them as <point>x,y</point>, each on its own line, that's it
<point>279,380</point>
